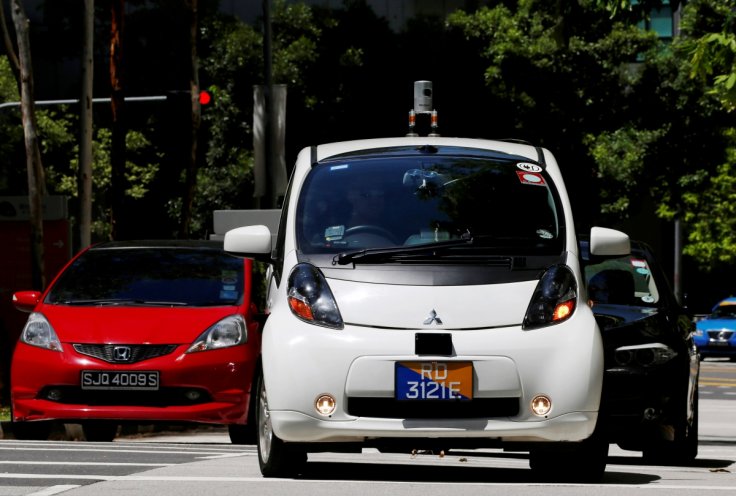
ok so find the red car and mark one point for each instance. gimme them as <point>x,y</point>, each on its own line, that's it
<point>138,332</point>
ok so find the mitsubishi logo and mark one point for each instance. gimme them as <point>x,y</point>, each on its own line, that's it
<point>121,353</point>
<point>433,318</point>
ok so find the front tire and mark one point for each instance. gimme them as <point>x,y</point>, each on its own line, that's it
<point>570,462</point>
<point>32,431</point>
<point>684,448</point>
<point>99,432</point>
<point>241,433</point>
<point>275,457</point>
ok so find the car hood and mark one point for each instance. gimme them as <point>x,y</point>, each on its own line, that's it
<point>623,325</point>
<point>708,324</point>
<point>132,325</point>
<point>441,307</point>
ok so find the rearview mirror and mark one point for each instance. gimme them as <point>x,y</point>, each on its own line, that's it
<point>609,242</point>
<point>250,242</point>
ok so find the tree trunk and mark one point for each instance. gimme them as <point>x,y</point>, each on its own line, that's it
<point>9,48</point>
<point>34,167</point>
<point>84,181</point>
<point>117,156</point>
<point>190,186</point>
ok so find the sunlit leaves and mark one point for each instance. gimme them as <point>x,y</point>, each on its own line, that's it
<point>621,159</point>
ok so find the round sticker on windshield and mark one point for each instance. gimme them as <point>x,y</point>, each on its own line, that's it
<point>544,234</point>
<point>647,299</point>
<point>642,271</point>
<point>527,167</point>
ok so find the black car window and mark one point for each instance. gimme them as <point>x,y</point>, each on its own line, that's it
<point>152,276</point>
<point>399,201</point>
<point>622,281</point>
<point>724,312</point>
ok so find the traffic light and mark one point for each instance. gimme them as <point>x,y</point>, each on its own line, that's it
<point>205,98</point>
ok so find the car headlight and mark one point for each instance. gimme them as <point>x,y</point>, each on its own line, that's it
<point>699,333</point>
<point>38,332</point>
<point>646,355</point>
<point>554,298</point>
<point>230,331</point>
<point>310,297</point>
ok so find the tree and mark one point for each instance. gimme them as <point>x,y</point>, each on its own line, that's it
<point>118,219</point>
<point>34,166</point>
<point>190,181</point>
<point>84,186</point>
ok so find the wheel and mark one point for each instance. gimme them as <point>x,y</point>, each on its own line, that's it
<point>370,229</point>
<point>570,462</point>
<point>275,457</point>
<point>242,433</point>
<point>102,431</point>
<point>684,448</point>
<point>32,431</point>
<point>246,433</point>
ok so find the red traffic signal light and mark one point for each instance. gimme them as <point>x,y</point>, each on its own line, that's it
<point>205,98</point>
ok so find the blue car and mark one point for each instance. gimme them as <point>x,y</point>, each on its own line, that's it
<point>716,334</point>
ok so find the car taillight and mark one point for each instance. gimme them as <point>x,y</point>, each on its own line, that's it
<point>554,298</point>
<point>310,297</point>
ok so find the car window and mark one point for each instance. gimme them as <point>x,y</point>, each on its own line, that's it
<point>622,281</point>
<point>151,276</point>
<point>727,311</point>
<point>413,200</point>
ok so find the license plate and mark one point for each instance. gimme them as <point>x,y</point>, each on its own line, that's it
<point>434,381</point>
<point>102,379</point>
<point>719,343</point>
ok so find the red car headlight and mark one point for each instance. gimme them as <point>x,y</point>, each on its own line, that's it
<point>230,331</point>
<point>38,332</point>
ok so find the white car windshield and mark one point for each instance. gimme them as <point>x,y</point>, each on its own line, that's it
<point>405,198</point>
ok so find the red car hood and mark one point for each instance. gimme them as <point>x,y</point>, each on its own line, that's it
<point>132,325</point>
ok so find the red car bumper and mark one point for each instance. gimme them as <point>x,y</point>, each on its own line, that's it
<point>205,387</point>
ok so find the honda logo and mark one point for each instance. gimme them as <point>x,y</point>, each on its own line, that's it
<point>122,353</point>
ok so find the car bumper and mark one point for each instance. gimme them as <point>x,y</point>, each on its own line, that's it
<point>727,350</point>
<point>222,379</point>
<point>356,366</point>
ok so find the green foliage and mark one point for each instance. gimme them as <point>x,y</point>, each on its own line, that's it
<point>621,159</point>
<point>711,213</point>
<point>63,177</point>
<point>8,85</point>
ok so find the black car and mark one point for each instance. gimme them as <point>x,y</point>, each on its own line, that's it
<point>650,385</point>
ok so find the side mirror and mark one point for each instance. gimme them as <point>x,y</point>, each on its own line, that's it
<point>250,242</point>
<point>609,242</point>
<point>26,301</point>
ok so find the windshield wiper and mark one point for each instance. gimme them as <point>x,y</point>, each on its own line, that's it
<point>397,252</point>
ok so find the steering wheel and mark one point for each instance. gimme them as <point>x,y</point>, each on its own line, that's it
<point>370,229</point>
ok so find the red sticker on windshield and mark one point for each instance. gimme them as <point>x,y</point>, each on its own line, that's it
<point>530,178</point>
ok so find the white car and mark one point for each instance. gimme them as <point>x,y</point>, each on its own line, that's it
<point>427,292</point>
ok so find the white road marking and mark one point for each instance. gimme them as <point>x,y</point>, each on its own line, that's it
<point>53,490</point>
<point>90,464</point>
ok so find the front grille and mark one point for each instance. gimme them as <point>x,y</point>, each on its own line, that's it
<point>168,396</point>
<point>391,408</point>
<point>138,353</point>
<point>720,335</point>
